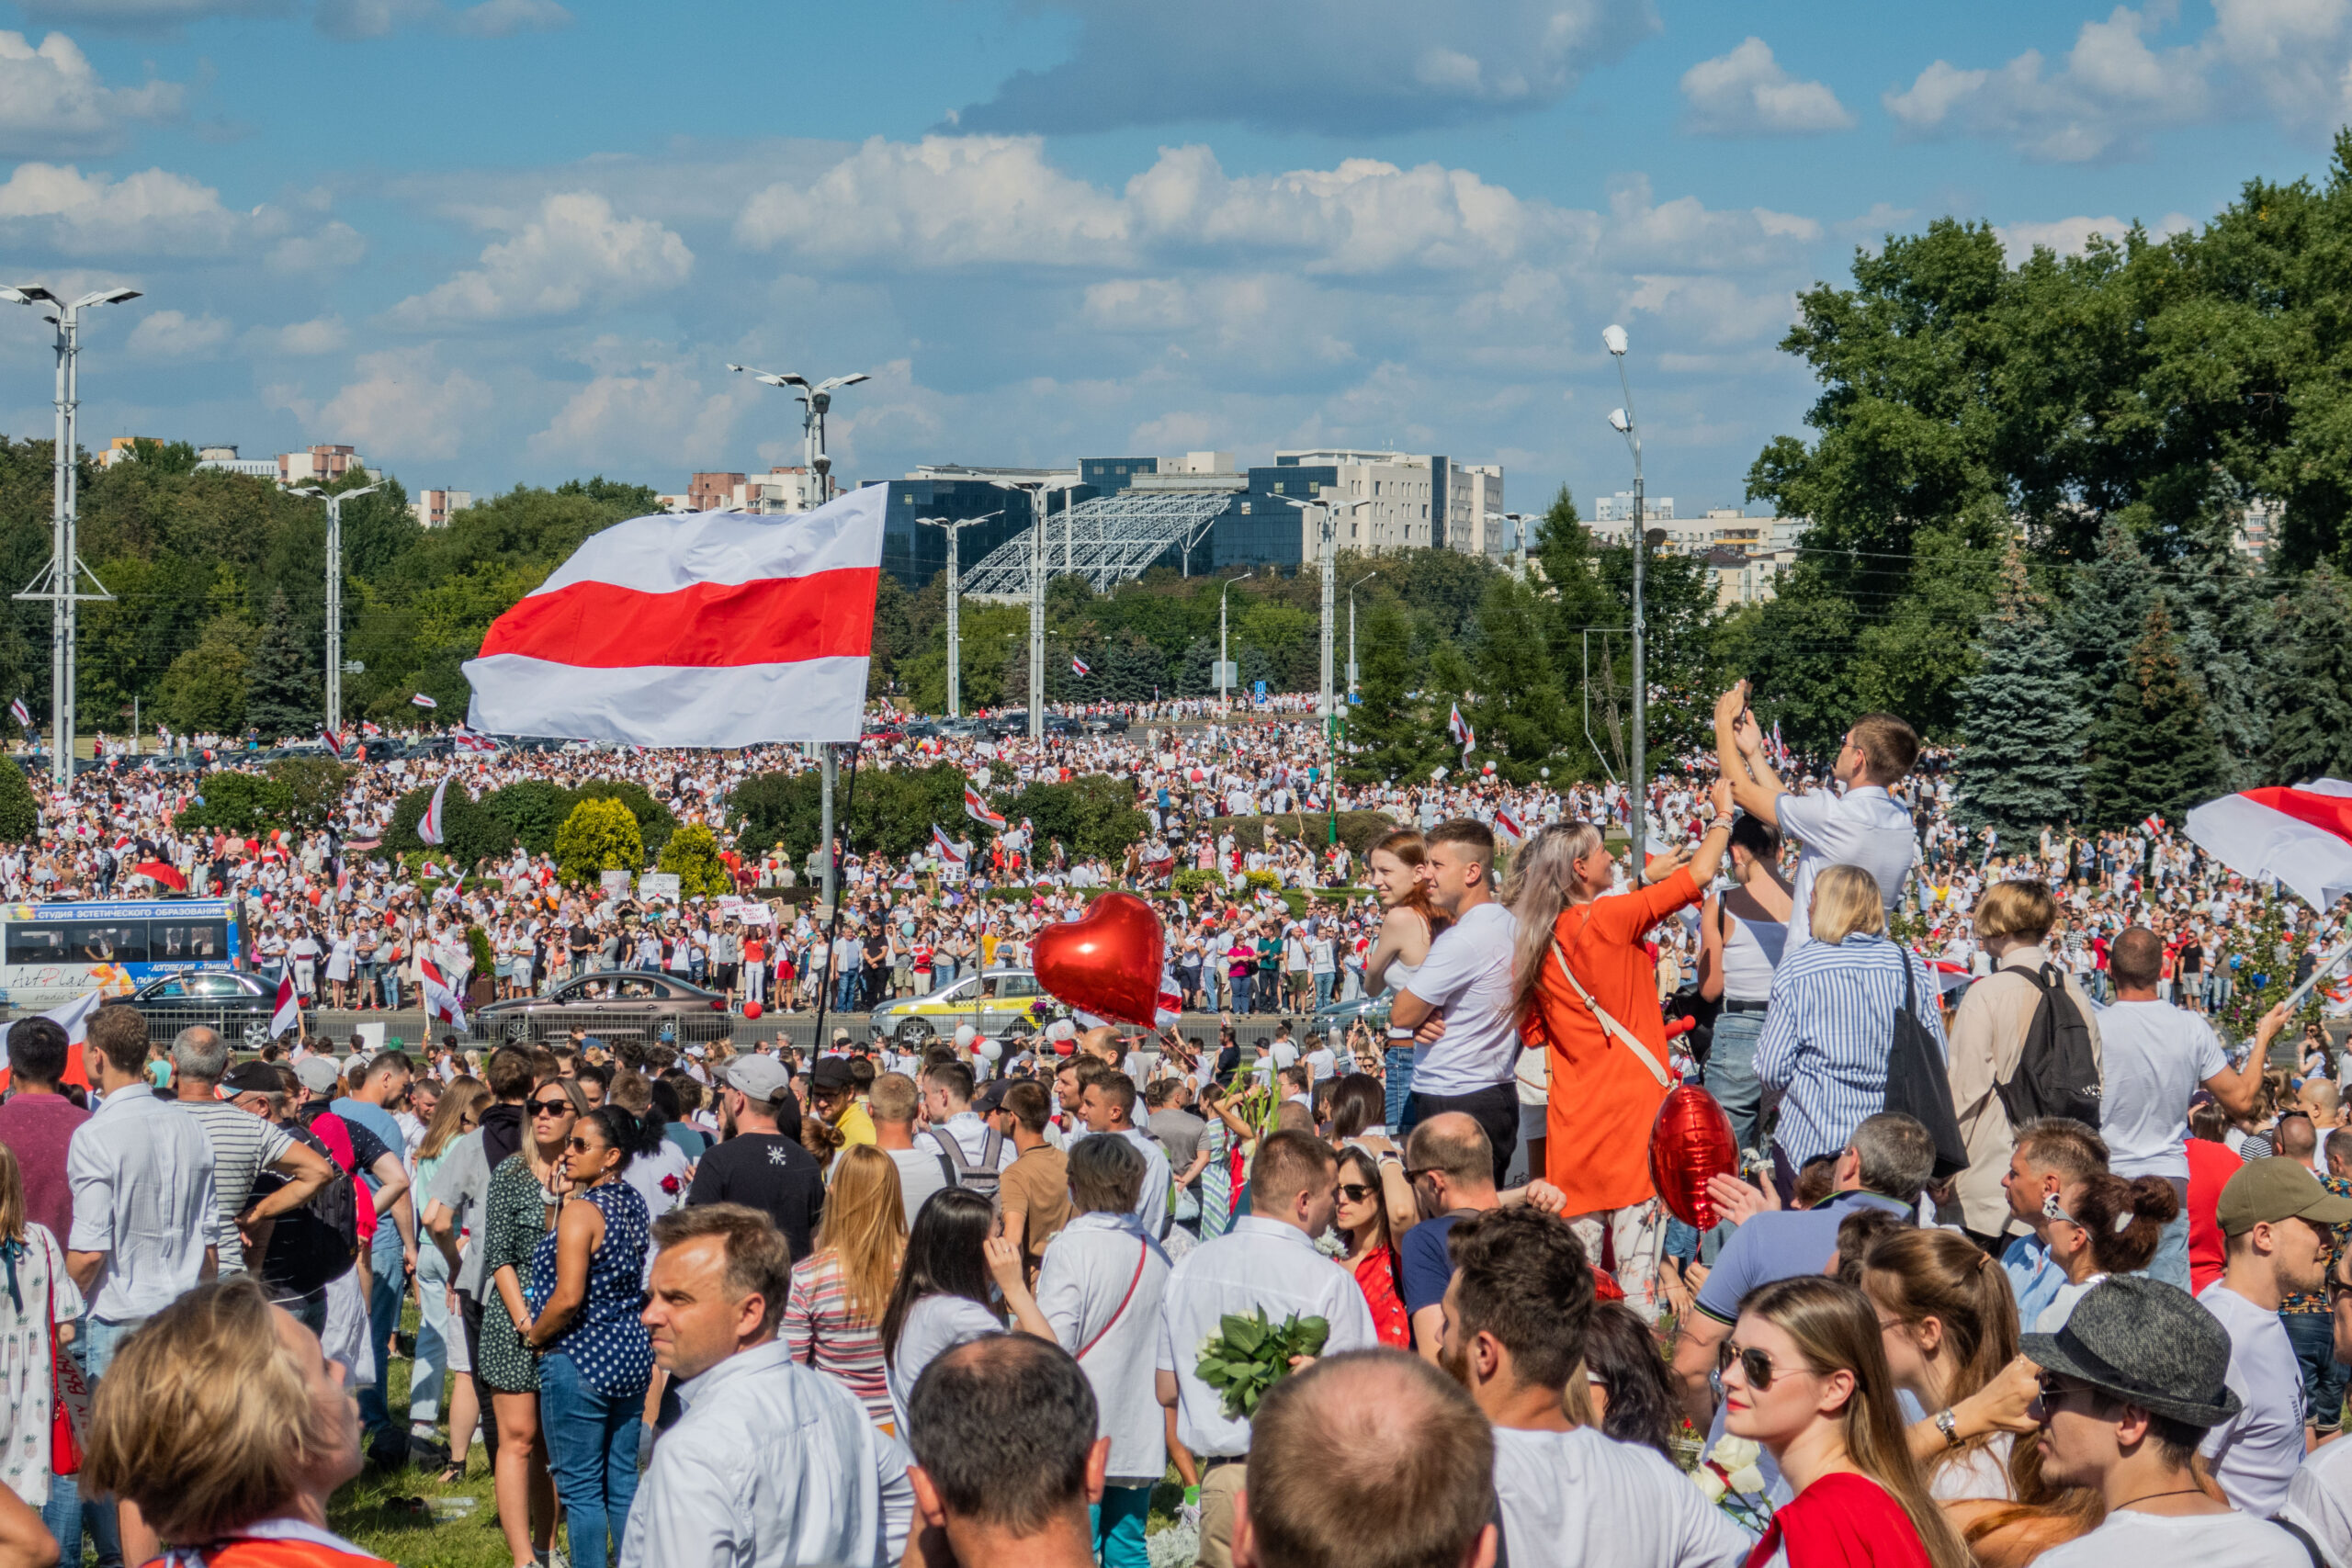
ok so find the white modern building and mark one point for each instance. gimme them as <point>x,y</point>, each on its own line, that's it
<point>432,507</point>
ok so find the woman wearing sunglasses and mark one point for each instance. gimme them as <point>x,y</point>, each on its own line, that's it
<point>522,1198</point>
<point>1371,1256</point>
<point>596,1358</point>
<point>1804,1375</point>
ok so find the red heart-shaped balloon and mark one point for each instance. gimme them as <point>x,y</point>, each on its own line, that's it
<point>1106,961</point>
<point>1691,1141</point>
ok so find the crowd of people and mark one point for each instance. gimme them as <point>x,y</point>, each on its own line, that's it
<point>2020,1258</point>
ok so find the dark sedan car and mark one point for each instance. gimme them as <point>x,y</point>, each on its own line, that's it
<point>233,1001</point>
<point>612,1005</point>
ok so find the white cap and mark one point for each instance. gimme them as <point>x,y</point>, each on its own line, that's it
<point>964,1035</point>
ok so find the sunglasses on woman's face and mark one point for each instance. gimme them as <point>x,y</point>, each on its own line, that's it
<point>550,1106</point>
<point>1354,1192</point>
<point>1755,1367</point>
<point>581,1146</point>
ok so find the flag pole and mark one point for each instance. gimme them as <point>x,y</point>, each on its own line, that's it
<point>833,922</point>
<point>2320,971</point>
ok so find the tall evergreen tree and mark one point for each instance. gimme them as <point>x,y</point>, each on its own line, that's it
<point>2312,680</point>
<point>1519,715</point>
<point>282,691</point>
<point>2105,612</point>
<point>2025,729</point>
<point>2152,748</point>
<point>2228,633</point>
<point>1388,731</point>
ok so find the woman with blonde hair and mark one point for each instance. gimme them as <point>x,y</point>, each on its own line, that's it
<point>1409,923</point>
<point>1585,990</point>
<point>833,1318</point>
<point>440,1327</point>
<point>221,1428</point>
<point>36,1317</point>
<point>1804,1375</point>
<point>1827,1033</point>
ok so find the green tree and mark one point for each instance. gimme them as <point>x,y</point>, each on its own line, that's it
<point>691,854</point>
<point>204,690</point>
<point>1520,716</point>
<point>1093,815</point>
<point>281,695</point>
<point>2313,681</point>
<point>654,822</point>
<point>531,811</point>
<point>599,836</point>
<point>2023,764</point>
<point>229,800</point>
<point>20,814</point>
<point>2151,749</point>
<point>313,789</point>
<point>1389,733</point>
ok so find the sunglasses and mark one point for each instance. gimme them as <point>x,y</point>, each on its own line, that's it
<point>1755,1367</point>
<point>1354,1192</point>
<point>550,1106</point>
<point>581,1146</point>
<point>2050,1392</point>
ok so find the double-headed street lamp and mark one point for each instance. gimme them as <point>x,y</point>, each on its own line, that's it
<point>953,527</point>
<point>1037,491</point>
<point>334,592</point>
<point>61,580</point>
<point>1224,666</point>
<point>816,399</point>
<point>1623,422</point>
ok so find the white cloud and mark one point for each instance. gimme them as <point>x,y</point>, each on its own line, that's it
<point>655,412</point>
<point>330,248</point>
<point>174,334</point>
<point>1328,66</point>
<point>150,14</point>
<point>945,201</point>
<point>1748,92</point>
<point>405,405</point>
<point>153,212</point>
<point>572,253</point>
<point>321,335</point>
<point>2071,236</point>
<point>53,102</point>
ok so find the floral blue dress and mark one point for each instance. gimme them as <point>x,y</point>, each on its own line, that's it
<point>605,1340</point>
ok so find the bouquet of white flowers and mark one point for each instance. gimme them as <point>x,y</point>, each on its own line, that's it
<point>1734,1481</point>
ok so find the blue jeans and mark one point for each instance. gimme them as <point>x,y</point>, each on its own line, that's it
<point>63,1516</point>
<point>385,1278</point>
<point>1119,1519</point>
<point>1241,992</point>
<point>2170,1263</point>
<point>2312,1334</point>
<point>592,1454</point>
<point>1731,1074</point>
<point>845,989</point>
<point>388,974</point>
<point>1324,980</point>
<point>1400,1084</point>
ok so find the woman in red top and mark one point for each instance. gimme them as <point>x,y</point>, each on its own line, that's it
<point>1806,1375</point>
<point>1372,1255</point>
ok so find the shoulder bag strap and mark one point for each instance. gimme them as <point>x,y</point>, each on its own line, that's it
<point>1615,1029</point>
<point>1143,1255</point>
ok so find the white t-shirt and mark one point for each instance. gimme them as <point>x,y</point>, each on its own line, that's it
<point>2152,1056</point>
<point>1863,827</point>
<point>2201,1540</point>
<point>935,1325</point>
<point>1977,1473</point>
<point>2320,1499</point>
<point>1468,977</point>
<point>2255,1454</point>
<point>1584,1500</point>
<point>919,1176</point>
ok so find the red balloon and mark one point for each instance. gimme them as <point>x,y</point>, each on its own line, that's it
<point>1691,1141</point>
<point>751,1010</point>
<point>1107,961</point>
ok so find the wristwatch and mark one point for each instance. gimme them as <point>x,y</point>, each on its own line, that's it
<point>1391,1157</point>
<point>1948,1425</point>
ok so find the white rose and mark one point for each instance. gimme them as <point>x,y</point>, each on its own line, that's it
<point>1747,1480</point>
<point>1709,1483</point>
<point>1735,1453</point>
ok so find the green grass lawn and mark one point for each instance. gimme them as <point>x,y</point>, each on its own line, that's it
<point>380,1511</point>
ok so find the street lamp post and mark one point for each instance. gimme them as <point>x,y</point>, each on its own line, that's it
<point>1036,489</point>
<point>1358,582</point>
<point>952,527</point>
<point>335,592</point>
<point>1637,772</point>
<point>60,581</point>
<point>816,399</point>
<point>1223,666</point>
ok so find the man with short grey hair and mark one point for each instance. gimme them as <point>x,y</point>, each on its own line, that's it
<point>242,1145</point>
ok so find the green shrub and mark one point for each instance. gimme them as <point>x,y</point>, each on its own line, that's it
<point>19,813</point>
<point>1358,830</point>
<point>654,823</point>
<point>691,854</point>
<point>315,789</point>
<point>470,833</point>
<point>1095,816</point>
<point>485,960</point>
<point>532,811</point>
<point>599,836</point>
<point>888,811</point>
<point>1254,880</point>
<point>241,802</point>
<point>1192,883</point>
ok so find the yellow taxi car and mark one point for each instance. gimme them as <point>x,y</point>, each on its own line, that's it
<point>988,1001</point>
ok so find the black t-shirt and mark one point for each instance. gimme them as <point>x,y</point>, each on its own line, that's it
<point>770,1172</point>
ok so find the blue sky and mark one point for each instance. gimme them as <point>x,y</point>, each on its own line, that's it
<point>493,242</point>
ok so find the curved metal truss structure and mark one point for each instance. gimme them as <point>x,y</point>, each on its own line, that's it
<point>1109,540</point>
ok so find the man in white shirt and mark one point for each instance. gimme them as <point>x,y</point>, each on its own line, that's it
<point>947,1104</point>
<point>2130,1383</point>
<point>1107,1105</point>
<point>1465,1041</point>
<point>1267,1261</point>
<point>773,1463</point>
<point>2273,1215</point>
<point>1515,1313</point>
<point>2154,1057</point>
<point>1864,827</point>
<point>893,1102</point>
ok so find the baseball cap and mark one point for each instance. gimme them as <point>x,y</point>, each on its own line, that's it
<point>761,1077</point>
<point>992,1095</point>
<point>254,1077</point>
<point>319,1074</point>
<point>2178,1352</point>
<point>831,1073</point>
<point>2278,1187</point>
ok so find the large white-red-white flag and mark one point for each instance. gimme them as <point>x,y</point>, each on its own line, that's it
<point>976,808</point>
<point>285,1017</point>
<point>2300,837</point>
<point>441,999</point>
<point>428,827</point>
<point>949,852</point>
<point>710,628</point>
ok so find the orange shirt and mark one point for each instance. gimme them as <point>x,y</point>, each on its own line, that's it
<point>1603,1100</point>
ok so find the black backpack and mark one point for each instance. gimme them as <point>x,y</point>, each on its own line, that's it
<point>2057,1073</point>
<point>318,1241</point>
<point>1919,1084</point>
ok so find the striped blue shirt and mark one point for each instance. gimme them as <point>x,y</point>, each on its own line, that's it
<point>1825,1037</point>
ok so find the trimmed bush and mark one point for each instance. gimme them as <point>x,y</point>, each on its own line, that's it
<point>599,836</point>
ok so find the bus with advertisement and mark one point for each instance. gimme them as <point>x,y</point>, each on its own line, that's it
<point>53,954</point>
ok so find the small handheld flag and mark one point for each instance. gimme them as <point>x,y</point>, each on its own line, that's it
<point>1079,666</point>
<point>21,714</point>
<point>441,1001</point>
<point>948,851</point>
<point>1459,727</point>
<point>287,1017</point>
<point>2153,823</point>
<point>421,700</point>
<point>1507,826</point>
<point>428,827</point>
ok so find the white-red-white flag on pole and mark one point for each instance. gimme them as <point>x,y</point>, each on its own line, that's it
<point>1079,666</point>
<point>1508,825</point>
<point>710,628</point>
<point>949,850</point>
<point>419,699</point>
<point>287,1017</point>
<point>21,714</point>
<point>2299,836</point>
<point>1459,727</point>
<point>428,827</point>
<point>977,809</point>
<point>441,999</point>
<point>2153,823</point>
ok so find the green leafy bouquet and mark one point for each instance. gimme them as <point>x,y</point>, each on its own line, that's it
<point>1248,1356</point>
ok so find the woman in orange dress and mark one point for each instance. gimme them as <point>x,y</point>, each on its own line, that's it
<point>1605,1090</point>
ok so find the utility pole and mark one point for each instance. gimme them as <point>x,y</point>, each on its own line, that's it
<point>1358,582</point>
<point>1224,665</point>
<point>1037,491</point>
<point>952,527</point>
<point>60,581</point>
<point>335,592</point>
<point>1637,772</point>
